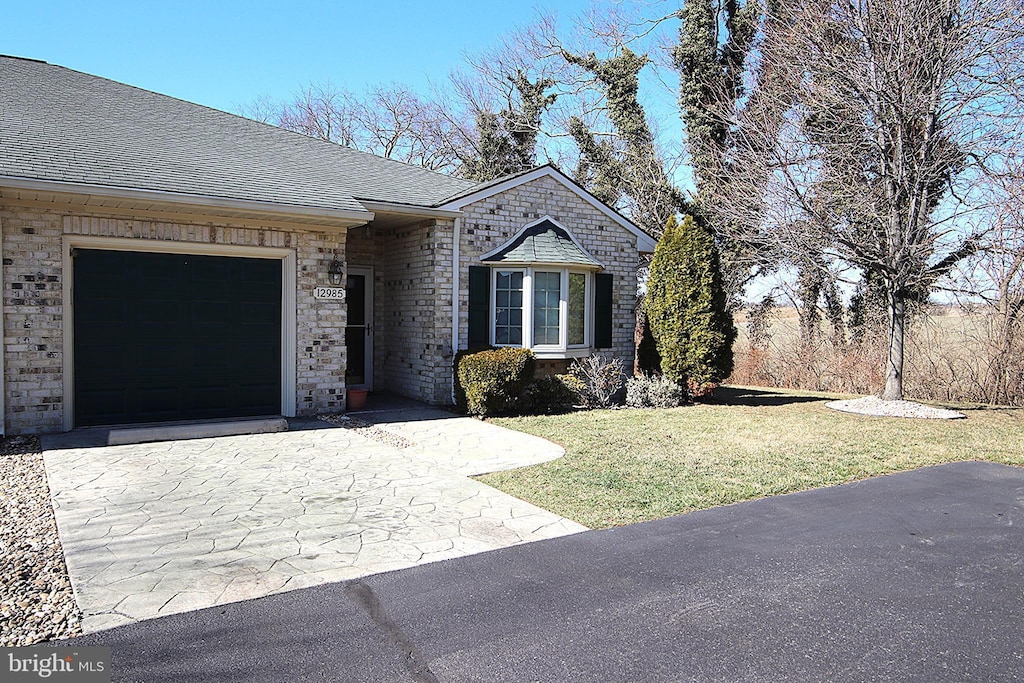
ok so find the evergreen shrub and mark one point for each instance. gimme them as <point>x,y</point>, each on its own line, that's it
<point>494,380</point>
<point>549,395</point>
<point>687,309</point>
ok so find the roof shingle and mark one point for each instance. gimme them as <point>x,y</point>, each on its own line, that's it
<point>62,125</point>
<point>544,242</point>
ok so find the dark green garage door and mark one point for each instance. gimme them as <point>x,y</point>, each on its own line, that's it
<point>161,337</point>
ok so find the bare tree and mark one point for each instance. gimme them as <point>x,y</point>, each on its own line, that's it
<point>877,119</point>
<point>994,278</point>
<point>390,121</point>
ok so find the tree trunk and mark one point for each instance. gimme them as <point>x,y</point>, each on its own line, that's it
<point>894,366</point>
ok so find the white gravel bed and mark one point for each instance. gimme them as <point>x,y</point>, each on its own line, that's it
<point>36,601</point>
<point>873,405</point>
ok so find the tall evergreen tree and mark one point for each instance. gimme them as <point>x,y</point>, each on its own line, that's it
<point>687,309</point>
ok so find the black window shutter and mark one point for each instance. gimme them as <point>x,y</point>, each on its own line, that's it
<point>603,311</point>
<point>479,306</point>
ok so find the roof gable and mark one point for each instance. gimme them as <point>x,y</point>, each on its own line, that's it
<point>645,243</point>
<point>543,241</point>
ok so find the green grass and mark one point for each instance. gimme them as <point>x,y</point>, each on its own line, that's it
<point>625,466</point>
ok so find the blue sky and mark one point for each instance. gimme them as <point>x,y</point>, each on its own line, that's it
<point>223,54</point>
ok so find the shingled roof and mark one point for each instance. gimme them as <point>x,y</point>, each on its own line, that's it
<point>61,125</point>
<point>543,242</point>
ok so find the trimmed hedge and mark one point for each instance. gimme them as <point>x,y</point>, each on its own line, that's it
<point>493,381</point>
<point>550,395</point>
<point>460,392</point>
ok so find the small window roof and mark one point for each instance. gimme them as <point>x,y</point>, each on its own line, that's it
<point>542,242</point>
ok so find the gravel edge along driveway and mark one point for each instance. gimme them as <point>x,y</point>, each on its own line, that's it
<point>36,600</point>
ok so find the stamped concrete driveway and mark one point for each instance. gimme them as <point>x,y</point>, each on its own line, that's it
<point>155,529</point>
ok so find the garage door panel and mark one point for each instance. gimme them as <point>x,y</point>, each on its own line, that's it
<point>108,310</point>
<point>254,391</point>
<point>158,311</point>
<point>158,355</point>
<point>207,398</point>
<point>175,337</point>
<point>157,399</point>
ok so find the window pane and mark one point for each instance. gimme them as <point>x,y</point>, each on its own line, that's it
<point>547,288</point>
<point>577,307</point>
<point>508,308</point>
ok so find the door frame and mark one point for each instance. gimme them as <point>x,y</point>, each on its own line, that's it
<point>289,357</point>
<point>367,272</point>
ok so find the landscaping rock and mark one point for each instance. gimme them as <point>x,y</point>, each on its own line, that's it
<point>873,405</point>
<point>36,600</point>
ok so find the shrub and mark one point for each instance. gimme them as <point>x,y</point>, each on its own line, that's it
<point>459,390</point>
<point>653,391</point>
<point>686,306</point>
<point>549,395</point>
<point>599,379</point>
<point>494,380</point>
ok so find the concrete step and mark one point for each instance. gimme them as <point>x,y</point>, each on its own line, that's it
<point>120,436</point>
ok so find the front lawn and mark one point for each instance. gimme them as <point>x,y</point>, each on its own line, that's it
<point>625,466</point>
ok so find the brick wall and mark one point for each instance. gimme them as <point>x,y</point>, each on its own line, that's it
<point>413,280</point>
<point>33,321</point>
<point>34,312</point>
<point>490,222</point>
<point>414,310</point>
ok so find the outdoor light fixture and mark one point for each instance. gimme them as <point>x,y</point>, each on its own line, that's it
<point>335,271</point>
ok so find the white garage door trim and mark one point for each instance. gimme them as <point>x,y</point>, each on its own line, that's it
<point>289,284</point>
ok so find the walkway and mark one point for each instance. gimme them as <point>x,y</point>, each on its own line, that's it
<point>154,529</point>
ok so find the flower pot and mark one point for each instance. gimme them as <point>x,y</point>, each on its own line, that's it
<point>356,399</point>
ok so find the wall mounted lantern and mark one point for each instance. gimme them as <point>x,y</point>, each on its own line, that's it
<point>335,272</point>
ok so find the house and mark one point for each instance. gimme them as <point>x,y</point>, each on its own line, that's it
<point>165,261</point>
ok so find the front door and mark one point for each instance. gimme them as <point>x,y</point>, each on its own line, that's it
<point>359,330</point>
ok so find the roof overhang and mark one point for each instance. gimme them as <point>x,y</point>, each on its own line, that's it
<point>408,209</point>
<point>397,215</point>
<point>644,242</point>
<point>99,197</point>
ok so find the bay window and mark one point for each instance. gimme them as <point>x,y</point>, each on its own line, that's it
<point>542,308</point>
<point>541,290</point>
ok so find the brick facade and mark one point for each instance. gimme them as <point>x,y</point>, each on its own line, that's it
<point>412,306</point>
<point>490,222</point>
<point>35,314</point>
<point>412,279</point>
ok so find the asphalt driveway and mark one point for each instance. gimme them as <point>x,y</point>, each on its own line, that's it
<point>910,577</point>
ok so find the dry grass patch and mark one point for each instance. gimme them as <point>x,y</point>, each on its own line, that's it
<point>625,466</point>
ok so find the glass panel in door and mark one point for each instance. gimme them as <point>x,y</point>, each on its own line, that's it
<point>358,330</point>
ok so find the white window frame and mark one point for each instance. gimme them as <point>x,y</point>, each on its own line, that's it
<point>548,351</point>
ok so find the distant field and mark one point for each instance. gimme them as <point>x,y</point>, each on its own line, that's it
<point>948,352</point>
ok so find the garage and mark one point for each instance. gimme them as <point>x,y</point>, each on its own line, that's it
<point>162,337</point>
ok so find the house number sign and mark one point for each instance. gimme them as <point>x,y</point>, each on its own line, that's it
<point>329,293</point>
